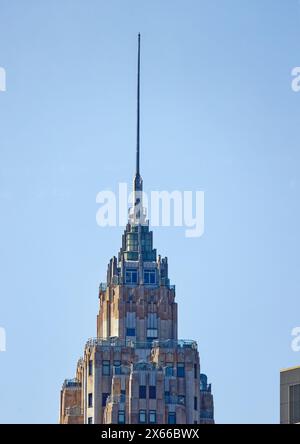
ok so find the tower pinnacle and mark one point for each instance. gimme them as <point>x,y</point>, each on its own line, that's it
<point>138,109</point>
<point>138,181</point>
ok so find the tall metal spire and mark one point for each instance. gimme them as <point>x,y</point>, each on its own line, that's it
<point>138,109</point>
<point>138,181</point>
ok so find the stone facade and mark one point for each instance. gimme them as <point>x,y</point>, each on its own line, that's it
<point>136,370</point>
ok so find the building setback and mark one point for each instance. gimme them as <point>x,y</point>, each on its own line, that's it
<point>137,370</point>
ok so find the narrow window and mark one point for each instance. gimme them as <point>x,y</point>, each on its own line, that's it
<point>180,370</point>
<point>90,367</point>
<point>169,369</point>
<point>152,324</point>
<point>152,392</point>
<point>121,417</point>
<point>105,368</point>
<point>195,403</point>
<point>90,400</point>
<point>142,416</point>
<point>172,418</point>
<point>195,371</point>
<point>142,392</point>
<point>152,417</point>
<point>117,367</point>
<point>123,396</point>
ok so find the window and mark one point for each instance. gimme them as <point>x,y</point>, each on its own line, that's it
<point>195,371</point>
<point>167,397</point>
<point>90,400</point>
<point>90,420</point>
<point>149,277</point>
<point>130,323</point>
<point>180,370</point>
<point>90,367</point>
<point>104,398</point>
<point>151,333</point>
<point>132,241</point>
<point>169,369</point>
<point>131,276</point>
<point>117,368</point>
<point>195,403</point>
<point>142,392</point>
<point>105,368</point>
<point>152,326</point>
<point>152,417</point>
<point>294,403</point>
<point>130,331</point>
<point>123,396</point>
<point>142,416</point>
<point>172,418</point>
<point>121,417</point>
<point>152,392</point>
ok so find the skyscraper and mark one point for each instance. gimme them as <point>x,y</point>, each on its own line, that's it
<point>290,395</point>
<point>136,370</point>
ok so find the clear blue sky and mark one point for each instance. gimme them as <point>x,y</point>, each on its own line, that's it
<point>218,115</point>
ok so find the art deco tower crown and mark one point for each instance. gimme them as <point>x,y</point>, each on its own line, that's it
<point>136,370</point>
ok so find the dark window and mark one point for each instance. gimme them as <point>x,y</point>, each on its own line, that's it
<point>167,397</point>
<point>195,403</point>
<point>123,396</point>
<point>172,418</point>
<point>142,416</point>
<point>152,417</point>
<point>195,422</point>
<point>90,400</point>
<point>130,331</point>
<point>105,368</point>
<point>152,392</point>
<point>131,276</point>
<point>121,417</point>
<point>104,398</point>
<point>90,367</point>
<point>294,403</point>
<point>90,420</point>
<point>195,371</point>
<point>169,369</point>
<point>142,392</point>
<point>149,277</point>
<point>180,370</point>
